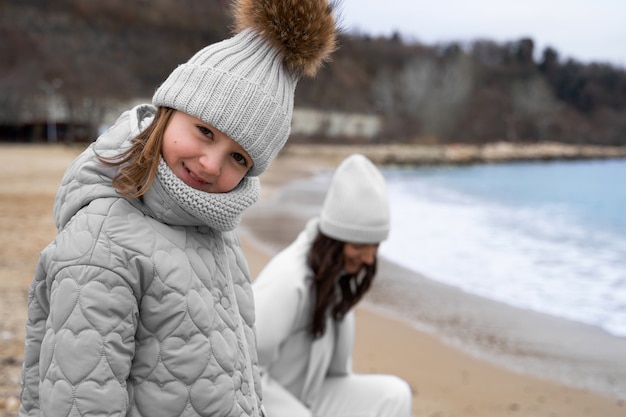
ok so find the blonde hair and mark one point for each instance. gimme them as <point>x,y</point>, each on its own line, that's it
<point>140,162</point>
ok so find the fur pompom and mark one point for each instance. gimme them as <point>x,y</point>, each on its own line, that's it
<point>304,31</point>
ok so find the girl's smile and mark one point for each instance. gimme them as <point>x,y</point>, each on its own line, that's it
<point>200,182</point>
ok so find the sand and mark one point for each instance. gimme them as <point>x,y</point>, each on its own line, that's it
<point>469,356</point>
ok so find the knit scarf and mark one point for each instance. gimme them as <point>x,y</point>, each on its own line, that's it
<point>221,211</point>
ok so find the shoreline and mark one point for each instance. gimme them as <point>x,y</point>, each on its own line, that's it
<point>458,154</point>
<point>531,361</point>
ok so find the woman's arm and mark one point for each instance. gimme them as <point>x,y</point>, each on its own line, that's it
<point>278,313</point>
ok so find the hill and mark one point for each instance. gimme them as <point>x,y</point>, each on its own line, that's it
<point>88,55</point>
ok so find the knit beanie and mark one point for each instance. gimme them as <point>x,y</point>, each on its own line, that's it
<point>356,209</point>
<point>244,86</point>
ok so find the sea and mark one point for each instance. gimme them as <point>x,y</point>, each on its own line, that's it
<point>544,236</point>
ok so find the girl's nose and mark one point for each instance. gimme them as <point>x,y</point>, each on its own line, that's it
<point>211,164</point>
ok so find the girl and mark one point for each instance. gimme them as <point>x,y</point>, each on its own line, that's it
<point>142,304</point>
<point>304,307</point>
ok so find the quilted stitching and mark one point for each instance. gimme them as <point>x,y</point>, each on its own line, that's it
<point>137,321</point>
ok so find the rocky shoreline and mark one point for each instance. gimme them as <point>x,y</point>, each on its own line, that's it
<point>458,154</point>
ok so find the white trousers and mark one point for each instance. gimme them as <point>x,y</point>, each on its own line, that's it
<point>355,395</point>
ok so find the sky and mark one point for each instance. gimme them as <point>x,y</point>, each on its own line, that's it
<point>584,30</point>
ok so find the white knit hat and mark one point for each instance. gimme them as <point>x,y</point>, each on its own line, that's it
<point>244,86</point>
<point>356,208</point>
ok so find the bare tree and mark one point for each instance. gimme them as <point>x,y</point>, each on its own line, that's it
<point>533,103</point>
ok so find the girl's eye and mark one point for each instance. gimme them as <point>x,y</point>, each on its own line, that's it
<point>240,159</point>
<point>206,131</point>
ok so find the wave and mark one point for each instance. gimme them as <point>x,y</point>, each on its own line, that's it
<point>540,257</point>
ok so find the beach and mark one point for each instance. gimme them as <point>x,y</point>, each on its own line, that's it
<point>446,378</point>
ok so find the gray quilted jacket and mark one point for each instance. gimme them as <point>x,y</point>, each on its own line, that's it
<point>137,308</point>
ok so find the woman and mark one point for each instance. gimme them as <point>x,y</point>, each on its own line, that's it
<point>304,301</point>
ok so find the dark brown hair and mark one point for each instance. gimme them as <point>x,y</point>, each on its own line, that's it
<point>326,260</point>
<point>139,163</point>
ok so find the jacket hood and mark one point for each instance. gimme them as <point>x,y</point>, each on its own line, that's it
<point>86,179</point>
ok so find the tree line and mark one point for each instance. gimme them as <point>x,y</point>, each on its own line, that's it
<point>92,54</point>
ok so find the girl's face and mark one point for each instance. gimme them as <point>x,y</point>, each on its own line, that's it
<point>357,255</point>
<point>203,157</point>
